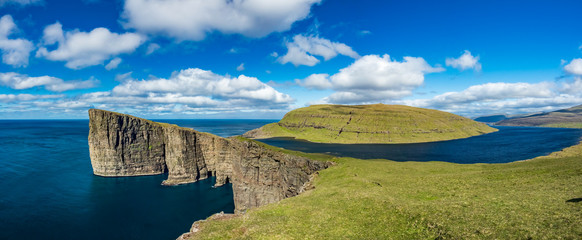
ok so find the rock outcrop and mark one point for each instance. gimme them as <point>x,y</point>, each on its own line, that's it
<point>123,145</point>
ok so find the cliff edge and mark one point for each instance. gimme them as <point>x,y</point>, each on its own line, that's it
<point>124,145</point>
<point>377,123</point>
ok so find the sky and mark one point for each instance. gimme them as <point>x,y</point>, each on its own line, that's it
<point>258,59</point>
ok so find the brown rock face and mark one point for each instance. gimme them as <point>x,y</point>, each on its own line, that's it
<point>123,145</point>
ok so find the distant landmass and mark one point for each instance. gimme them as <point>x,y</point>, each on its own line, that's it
<point>377,123</point>
<point>570,118</point>
<point>492,118</point>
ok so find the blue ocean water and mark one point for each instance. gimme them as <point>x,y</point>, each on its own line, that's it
<point>48,190</point>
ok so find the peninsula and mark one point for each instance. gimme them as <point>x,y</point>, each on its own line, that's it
<point>123,145</point>
<point>378,123</point>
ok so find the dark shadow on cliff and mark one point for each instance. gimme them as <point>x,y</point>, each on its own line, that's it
<point>574,200</point>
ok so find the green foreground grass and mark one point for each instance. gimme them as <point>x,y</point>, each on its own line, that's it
<point>381,199</point>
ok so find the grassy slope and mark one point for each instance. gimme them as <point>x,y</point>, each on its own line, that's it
<point>568,118</point>
<point>380,199</point>
<point>376,123</point>
<point>564,125</point>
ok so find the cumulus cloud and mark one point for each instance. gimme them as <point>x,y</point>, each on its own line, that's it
<point>202,88</point>
<point>15,52</point>
<point>193,20</point>
<point>572,87</point>
<point>113,63</point>
<point>464,62</point>
<point>511,98</point>
<point>574,67</point>
<point>190,91</point>
<point>303,49</point>
<point>373,78</point>
<point>316,81</point>
<point>83,49</point>
<point>493,91</point>
<point>21,81</point>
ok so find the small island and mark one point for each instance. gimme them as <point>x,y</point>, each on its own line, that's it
<point>377,123</point>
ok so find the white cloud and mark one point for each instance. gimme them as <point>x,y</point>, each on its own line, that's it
<point>15,52</point>
<point>510,98</point>
<point>574,67</point>
<point>316,81</point>
<point>192,20</point>
<point>464,62</point>
<point>124,77</point>
<point>494,91</point>
<point>202,88</point>
<point>572,87</point>
<point>152,48</point>
<point>18,2</point>
<point>20,81</point>
<point>241,67</point>
<point>187,92</point>
<point>373,78</point>
<point>303,49</point>
<point>113,63</point>
<point>25,97</point>
<point>83,49</point>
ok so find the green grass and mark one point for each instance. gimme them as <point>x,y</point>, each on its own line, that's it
<point>376,123</point>
<point>564,125</point>
<point>381,199</point>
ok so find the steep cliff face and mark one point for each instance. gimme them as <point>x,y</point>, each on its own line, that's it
<point>123,145</point>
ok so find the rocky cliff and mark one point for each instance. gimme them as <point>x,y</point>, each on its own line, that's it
<point>123,145</point>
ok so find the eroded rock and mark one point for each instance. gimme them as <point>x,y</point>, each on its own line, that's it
<point>123,145</point>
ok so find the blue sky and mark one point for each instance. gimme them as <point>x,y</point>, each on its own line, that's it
<point>262,58</point>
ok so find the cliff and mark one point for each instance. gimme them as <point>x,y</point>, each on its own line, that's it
<point>123,145</point>
<point>376,123</point>
<point>570,117</point>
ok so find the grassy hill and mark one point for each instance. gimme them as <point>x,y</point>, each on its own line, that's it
<point>569,118</point>
<point>376,123</point>
<point>381,199</point>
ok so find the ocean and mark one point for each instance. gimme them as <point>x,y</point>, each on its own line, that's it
<point>48,190</point>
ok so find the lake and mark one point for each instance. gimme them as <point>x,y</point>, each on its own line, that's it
<point>48,190</point>
<point>509,144</point>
